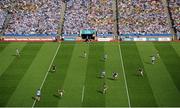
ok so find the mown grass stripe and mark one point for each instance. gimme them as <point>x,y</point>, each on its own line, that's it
<point>116,95</point>
<point>22,96</point>
<point>163,87</point>
<point>55,80</point>
<point>140,91</point>
<point>74,82</point>
<point>176,46</point>
<point>172,61</point>
<point>14,73</point>
<point>7,55</point>
<point>49,69</point>
<point>93,84</point>
<point>124,74</point>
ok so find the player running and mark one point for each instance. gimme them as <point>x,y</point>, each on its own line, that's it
<point>140,72</point>
<point>53,68</point>
<point>38,95</point>
<point>105,57</point>
<point>105,87</point>
<point>114,75</point>
<point>157,54</point>
<point>60,92</point>
<point>85,54</point>
<point>153,58</point>
<point>103,74</point>
<point>17,52</point>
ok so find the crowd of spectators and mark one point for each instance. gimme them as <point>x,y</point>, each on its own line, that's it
<point>76,16</point>
<point>43,16</point>
<point>2,17</point>
<point>33,16</point>
<point>142,16</point>
<point>88,14</point>
<point>174,6</point>
<point>101,16</point>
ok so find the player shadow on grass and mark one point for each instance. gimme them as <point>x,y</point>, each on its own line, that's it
<point>102,60</point>
<point>50,71</point>
<point>99,77</point>
<point>14,55</point>
<point>57,96</point>
<point>81,56</point>
<point>33,98</point>
<point>110,78</point>
<point>100,91</point>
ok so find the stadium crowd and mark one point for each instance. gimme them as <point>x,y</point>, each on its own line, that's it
<point>175,10</point>
<point>142,16</point>
<point>28,17</point>
<point>76,16</point>
<point>43,16</point>
<point>2,18</point>
<point>88,14</point>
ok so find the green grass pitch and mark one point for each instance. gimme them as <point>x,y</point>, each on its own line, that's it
<point>20,77</point>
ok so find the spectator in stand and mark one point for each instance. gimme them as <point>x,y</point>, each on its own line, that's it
<point>34,17</point>
<point>89,14</point>
<point>142,16</point>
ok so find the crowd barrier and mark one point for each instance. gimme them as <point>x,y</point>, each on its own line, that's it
<point>100,37</point>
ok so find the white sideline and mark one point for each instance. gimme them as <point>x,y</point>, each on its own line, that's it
<point>124,74</point>
<point>82,98</point>
<point>47,71</point>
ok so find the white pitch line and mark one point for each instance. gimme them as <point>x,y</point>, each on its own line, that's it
<point>129,103</point>
<point>82,98</point>
<point>48,71</point>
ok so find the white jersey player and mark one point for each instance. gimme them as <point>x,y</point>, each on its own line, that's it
<point>17,52</point>
<point>38,95</point>
<point>153,58</point>
<point>103,74</point>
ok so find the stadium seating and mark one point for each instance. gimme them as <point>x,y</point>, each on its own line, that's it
<point>2,17</point>
<point>40,17</point>
<point>86,14</point>
<point>142,16</point>
<point>175,10</point>
<point>134,16</point>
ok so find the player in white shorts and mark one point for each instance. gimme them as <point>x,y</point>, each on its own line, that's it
<point>38,95</point>
<point>17,52</point>
<point>153,58</point>
<point>85,54</point>
<point>60,92</point>
<point>105,57</point>
<point>105,87</point>
<point>114,75</point>
<point>141,72</point>
<point>103,74</point>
